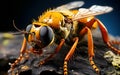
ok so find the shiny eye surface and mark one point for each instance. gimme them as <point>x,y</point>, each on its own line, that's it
<point>46,35</point>
<point>28,28</point>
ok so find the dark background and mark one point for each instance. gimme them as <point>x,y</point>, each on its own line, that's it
<point>24,11</point>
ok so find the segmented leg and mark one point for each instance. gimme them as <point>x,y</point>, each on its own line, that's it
<point>106,38</point>
<point>115,42</point>
<point>91,49</point>
<point>56,51</point>
<point>69,55</point>
<point>22,51</point>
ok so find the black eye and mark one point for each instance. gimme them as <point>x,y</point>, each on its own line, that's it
<point>46,35</point>
<point>28,28</point>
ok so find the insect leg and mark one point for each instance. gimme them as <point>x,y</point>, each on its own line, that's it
<point>22,51</point>
<point>106,38</point>
<point>56,51</point>
<point>115,42</point>
<point>91,49</point>
<point>90,24</point>
<point>69,55</point>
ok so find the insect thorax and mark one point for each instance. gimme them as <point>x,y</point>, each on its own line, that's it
<point>62,24</point>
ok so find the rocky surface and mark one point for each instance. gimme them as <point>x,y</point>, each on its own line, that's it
<point>78,65</point>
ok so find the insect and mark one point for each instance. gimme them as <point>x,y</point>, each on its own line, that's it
<point>65,24</point>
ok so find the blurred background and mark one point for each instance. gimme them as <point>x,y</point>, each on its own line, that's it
<point>24,11</point>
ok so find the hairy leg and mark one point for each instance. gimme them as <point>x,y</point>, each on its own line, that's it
<point>22,51</point>
<point>69,55</point>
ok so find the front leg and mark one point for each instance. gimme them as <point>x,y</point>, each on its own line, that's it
<point>69,55</point>
<point>22,51</point>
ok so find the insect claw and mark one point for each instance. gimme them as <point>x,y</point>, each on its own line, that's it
<point>37,65</point>
<point>9,71</point>
<point>10,64</point>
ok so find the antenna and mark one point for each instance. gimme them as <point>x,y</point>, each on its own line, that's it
<point>20,31</point>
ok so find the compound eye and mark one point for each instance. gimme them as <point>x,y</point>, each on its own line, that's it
<point>46,35</point>
<point>28,28</point>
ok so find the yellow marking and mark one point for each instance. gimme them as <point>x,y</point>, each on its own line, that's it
<point>94,66</point>
<point>65,63</point>
<point>52,39</point>
<point>24,68</point>
<point>65,73</point>
<point>95,25</point>
<point>65,69</point>
<point>65,66</point>
<point>91,62</point>
<point>42,62</point>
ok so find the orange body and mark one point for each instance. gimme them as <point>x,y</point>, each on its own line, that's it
<point>57,19</point>
<point>63,23</point>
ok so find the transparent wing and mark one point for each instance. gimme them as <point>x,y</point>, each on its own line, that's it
<point>66,7</point>
<point>71,5</point>
<point>92,11</point>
